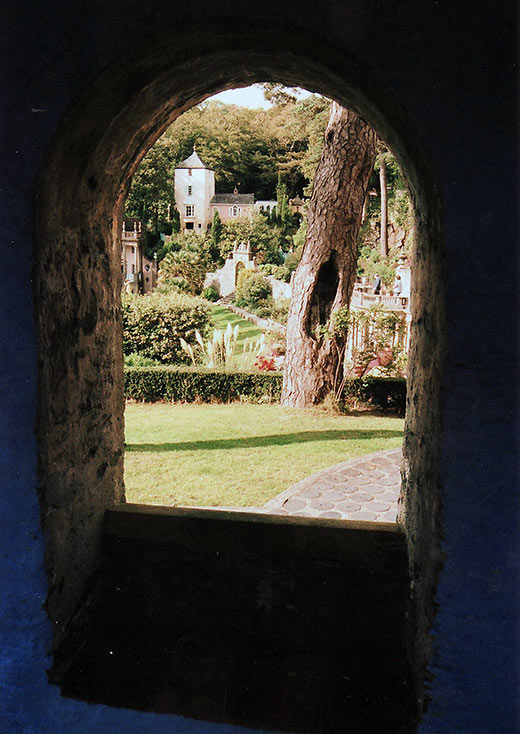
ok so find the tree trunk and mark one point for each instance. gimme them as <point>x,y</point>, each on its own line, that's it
<point>384,206</point>
<point>324,279</point>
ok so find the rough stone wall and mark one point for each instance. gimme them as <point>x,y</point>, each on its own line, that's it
<point>420,507</point>
<point>79,339</point>
<point>454,72</point>
<point>80,418</point>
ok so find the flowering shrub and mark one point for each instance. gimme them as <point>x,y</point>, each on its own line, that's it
<point>382,344</point>
<point>265,364</point>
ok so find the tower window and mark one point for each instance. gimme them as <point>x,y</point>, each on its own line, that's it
<point>190,210</point>
<point>189,190</point>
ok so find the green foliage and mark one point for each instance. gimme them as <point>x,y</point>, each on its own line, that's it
<point>313,114</point>
<point>339,322</point>
<point>217,229</point>
<point>280,310</point>
<point>266,239</point>
<point>400,224</point>
<point>384,332</point>
<point>283,212</point>
<point>280,272</point>
<point>153,325</point>
<point>385,394</point>
<point>152,189</point>
<point>197,384</point>
<point>175,220</point>
<point>371,262</point>
<point>135,359</point>
<point>278,94</point>
<point>246,147</point>
<point>252,288</point>
<point>188,261</point>
<point>210,293</point>
<point>298,242</point>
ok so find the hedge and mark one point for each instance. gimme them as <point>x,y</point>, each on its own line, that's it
<point>177,384</point>
<point>192,384</point>
<point>385,393</point>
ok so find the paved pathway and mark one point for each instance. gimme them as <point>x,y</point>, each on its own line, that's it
<point>366,488</point>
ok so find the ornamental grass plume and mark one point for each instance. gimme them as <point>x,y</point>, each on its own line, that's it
<point>221,350</point>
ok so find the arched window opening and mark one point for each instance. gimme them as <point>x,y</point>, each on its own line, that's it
<point>78,284</point>
<point>218,473</point>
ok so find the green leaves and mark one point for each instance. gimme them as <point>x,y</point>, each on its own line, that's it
<point>189,262</point>
<point>151,194</point>
<point>154,325</point>
<point>252,288</point>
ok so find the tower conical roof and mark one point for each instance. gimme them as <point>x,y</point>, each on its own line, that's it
<point>193,161</point>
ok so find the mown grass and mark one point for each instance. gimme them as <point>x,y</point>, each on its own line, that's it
<point>221,316</point>
<point>239,454</point>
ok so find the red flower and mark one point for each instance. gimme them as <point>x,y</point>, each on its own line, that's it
<point>265,364</point>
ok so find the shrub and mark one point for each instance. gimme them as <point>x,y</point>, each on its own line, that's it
<point>280,272</point>
<point>262,308</point>
<point>386,394</point>
<point>153,325</point>
<point>252,287</point>
<point>280,310</point>
<point>139,360</point>
<point>172,285</point>
<point>211,293</point>
<point>189,263</point>
<point>173,384</point>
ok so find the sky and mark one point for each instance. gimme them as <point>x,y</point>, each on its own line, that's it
<point>252,97</point>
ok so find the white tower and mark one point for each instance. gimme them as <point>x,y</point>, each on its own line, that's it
<point>194,187</point>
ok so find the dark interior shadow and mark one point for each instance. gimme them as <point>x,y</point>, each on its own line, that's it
<point>249,442</point>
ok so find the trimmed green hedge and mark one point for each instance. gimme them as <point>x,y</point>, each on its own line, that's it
<point>177,384</point>
<point>385,393</point>
<point>192,384</point>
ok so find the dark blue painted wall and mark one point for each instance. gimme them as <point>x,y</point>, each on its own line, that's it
<point>452,65</point>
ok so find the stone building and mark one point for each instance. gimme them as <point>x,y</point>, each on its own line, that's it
<point>196,199</point>
<point>232,206</point>
<point>265,205</point>
<point>139,273</point>
<point>255,622</point>
<point>194,187</point>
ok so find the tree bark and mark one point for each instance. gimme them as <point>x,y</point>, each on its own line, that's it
<point>324,279</point>
<point>384,206</point>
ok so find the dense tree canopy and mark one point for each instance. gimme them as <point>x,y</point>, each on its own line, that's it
<point>151,194</point>
<point>246,148</point>
<point>271,153</point>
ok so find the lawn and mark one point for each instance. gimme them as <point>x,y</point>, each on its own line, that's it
<point>239,454</point>
<point>221,316</point>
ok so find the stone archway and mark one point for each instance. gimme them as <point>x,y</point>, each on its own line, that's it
<point>80,198</point>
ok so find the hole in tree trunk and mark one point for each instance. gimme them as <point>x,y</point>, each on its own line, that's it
<point>323,295</point>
